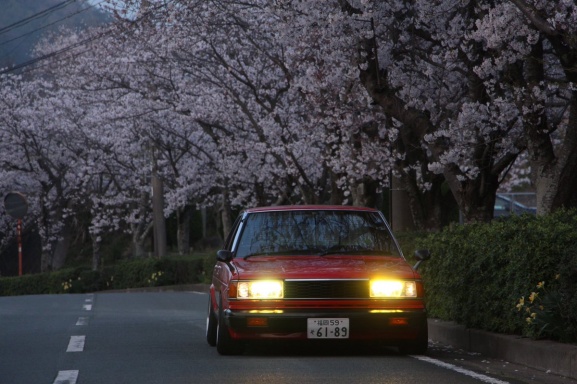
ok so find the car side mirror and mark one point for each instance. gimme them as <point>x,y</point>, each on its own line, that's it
<point>224,256</point>
<point>421,255</point>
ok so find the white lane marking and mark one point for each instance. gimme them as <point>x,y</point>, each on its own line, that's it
<point>463,371</point>
<point>82,321</point>
<point>199,293</point>
<point>88,302</point>
<point>76,344</point>
<point>66,377</point>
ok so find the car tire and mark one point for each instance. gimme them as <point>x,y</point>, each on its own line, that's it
<point>211,324</point>
<point>225,345</point>
<point>418,346</point>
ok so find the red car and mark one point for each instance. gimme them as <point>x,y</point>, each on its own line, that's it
<point>315,273</point>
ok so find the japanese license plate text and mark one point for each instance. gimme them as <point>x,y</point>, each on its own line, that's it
<point>328,328</point>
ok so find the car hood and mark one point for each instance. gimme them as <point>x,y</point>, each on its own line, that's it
<point>322,267</point>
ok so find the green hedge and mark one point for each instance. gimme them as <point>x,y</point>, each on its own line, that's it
<point>123,275</point>
<point>517,275</point>
<point>511,276</point>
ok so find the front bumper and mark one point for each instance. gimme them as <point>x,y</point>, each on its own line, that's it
<point>364,324</point>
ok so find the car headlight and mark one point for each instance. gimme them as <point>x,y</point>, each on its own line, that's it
<point>393,288</point>
<point>260,289</point>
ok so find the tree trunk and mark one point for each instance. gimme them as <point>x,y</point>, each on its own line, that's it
<point>183,216</point>
<point>158,214</point>
<point>55,239</point>
<point>554,171</point>
<point>138,248</point>
<point>96,254</point>
<point>61,248</point>
<point>225,214</point>
<point>141,229</point>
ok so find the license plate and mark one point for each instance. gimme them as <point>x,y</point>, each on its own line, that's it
<point>328,328</point>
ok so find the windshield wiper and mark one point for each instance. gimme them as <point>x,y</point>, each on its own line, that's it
<point>343,249</point>
<point>287,252</point>
<point>255,254</point>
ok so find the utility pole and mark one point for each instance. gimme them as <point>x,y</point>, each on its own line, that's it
<point>400,210</point>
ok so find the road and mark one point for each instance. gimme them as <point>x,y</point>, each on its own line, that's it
<point>158,337</point>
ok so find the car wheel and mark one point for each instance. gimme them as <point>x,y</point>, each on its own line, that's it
<point>211,324</point>
<point>225,345</point>
<point>418,346</point>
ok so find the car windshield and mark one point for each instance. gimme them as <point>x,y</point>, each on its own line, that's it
<point>319,232</point>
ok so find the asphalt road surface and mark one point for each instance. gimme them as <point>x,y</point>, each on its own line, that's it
<point>158,337</point>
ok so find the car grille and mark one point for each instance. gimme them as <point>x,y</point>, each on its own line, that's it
<point>326,289</point>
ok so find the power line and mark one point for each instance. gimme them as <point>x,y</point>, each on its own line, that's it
<point>36,16</point>
<point>49,25</point>
<point>57,52</point>
<point>77,44</point>
<point>25,21</point>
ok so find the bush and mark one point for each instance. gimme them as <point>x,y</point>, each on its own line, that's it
<point>126,274</point>
<point>479,272</point>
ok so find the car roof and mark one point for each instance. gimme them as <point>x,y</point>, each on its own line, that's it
<point>277,208</point>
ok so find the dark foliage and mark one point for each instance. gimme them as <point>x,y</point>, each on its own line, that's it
<point>479,273</point>
<point>150,272</point>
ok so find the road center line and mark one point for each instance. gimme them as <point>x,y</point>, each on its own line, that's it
<point>66,377</point>
<point>466,372</point>
<point>87,307</point>
<point>82,321</point>
<point>76,344</point>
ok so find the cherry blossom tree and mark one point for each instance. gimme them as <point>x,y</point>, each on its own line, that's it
<point>38,147</point>
<point>235,104</point>
<point>518,58</point>
<point>260,112</point>
<point>533,50</point>
<point>119,160</point>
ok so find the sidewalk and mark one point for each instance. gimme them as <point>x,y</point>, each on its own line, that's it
<point>547,356</point>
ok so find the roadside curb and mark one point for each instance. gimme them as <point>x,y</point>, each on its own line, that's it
<point>544,355</point>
